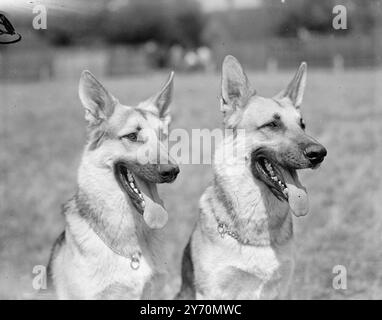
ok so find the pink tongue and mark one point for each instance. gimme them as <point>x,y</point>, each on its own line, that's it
<point>154,214</point>
<point>297,196</point>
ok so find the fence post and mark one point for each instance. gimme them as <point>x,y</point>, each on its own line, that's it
<point>338,63</point>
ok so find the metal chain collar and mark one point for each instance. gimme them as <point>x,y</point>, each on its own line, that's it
<point>135,257</point>
<point>223,230</point>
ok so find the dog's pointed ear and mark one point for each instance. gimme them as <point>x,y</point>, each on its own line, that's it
<point>295,89</point>
<point>163,98</point>
<point>97,101</point>
<point>235,87</point>
<point>159,103</point>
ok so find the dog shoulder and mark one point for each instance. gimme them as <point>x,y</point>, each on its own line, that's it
<point>187,290</point>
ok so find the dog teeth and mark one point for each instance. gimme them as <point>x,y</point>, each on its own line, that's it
<point>130,177</point>
<point>274,177</point>
<point>269,168</point>
<point>135,189</point>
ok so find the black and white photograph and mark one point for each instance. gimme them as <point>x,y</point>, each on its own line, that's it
<point>191,150</point>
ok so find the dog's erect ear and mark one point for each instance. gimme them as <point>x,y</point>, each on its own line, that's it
<point>98,102</point>
<point>159,103</point>
<point>163,98</point>
<point>236,89</point>
<point>295,89</point>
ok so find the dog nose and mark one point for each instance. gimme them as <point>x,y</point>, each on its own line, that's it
<point>315,153</point>
<point>168,171</point>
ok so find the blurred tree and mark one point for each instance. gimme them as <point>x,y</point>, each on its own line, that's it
<point>317,16</point>
<point>67,27</point>
<point>314,16</point>
<point>165,22</point>
<point>364,15</point>
<point>189,23</point>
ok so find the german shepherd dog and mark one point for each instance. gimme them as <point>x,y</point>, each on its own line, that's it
<point>111,247</point>
<point>241,247</point>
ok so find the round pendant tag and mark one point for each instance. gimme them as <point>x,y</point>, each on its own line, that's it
<point>134,264</point>
<point>221,229</point>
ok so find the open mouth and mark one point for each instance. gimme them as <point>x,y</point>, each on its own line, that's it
<point>130,186</point>
<point>143,195</point>
<point>273,177</point>
<point>282,182</point>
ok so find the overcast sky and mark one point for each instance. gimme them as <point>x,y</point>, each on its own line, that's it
<point>214,5</point>
<point>78,5</point>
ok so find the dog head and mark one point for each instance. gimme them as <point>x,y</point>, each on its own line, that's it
<point>275,138</point>
<point>129,141</point>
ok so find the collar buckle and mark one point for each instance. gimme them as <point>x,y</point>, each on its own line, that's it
<point>135,262</point>
<point>222,229</point>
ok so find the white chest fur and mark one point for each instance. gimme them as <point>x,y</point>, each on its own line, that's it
<point>87,269</point>
<point>229,270</point>
<point>225,268</point>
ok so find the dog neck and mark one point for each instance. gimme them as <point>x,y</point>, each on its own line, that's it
<point>112,216</point>
<point>247,206</point>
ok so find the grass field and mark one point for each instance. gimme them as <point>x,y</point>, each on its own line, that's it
<point>43,132</point>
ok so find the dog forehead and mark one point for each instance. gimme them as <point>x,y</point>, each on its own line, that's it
<point>153,120</point>
<point>262,109</point>
<point>125,116</point>
<point>289,111</point>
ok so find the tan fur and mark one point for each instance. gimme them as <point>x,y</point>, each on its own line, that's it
<point>225,268</point>
<point>259,264</point>
<point>93,259</point>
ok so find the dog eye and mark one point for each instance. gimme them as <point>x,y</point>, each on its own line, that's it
<point>272,124</point>
<point>302,124</point>
<point>131,136</point>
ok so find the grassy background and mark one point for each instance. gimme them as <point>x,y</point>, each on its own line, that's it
<point>43,132</point>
